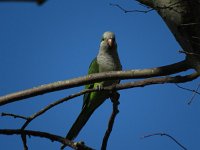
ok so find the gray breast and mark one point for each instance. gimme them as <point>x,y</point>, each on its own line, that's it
<point>108,63</point>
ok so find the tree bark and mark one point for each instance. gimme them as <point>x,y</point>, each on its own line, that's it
<point>61,85</point>
<point>183,19</point>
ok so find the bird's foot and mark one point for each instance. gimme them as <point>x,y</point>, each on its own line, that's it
<point>99,87</point>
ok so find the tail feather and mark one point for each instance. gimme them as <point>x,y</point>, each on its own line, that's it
<point>84,116</point>
<point>79,123</point>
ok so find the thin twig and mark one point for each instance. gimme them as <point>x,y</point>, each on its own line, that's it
<point>128,11</point>
<point>194,94</point>
<point>42,111</point>
<point>115,101</point>
<point>187,89</point>
<point>14,116</point>
<point>170,6</point>
<point>165,134</point>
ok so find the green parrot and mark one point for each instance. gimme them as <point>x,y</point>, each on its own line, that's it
<point>106,60</point>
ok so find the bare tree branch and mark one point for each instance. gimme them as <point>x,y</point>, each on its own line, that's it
<point>128,11</point>
<point>165,134</point>
<point>14,116</point>
<point>24,141</point>
<point>42,111</point>
<point>194,94</point>
<point>193,91</point>
<point>187,89</point>
<point>142,83</point>
<point>115,101</point>
<point>150,8</point>
<point>161,80</point>
<point>186,37</point>
<point>61,85</point>
<point>134,84</point>
<point>49,136</point>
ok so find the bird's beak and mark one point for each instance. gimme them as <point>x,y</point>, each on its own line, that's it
<point>110,42</point>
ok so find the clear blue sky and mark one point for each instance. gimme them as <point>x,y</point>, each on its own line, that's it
<point>57,41</point>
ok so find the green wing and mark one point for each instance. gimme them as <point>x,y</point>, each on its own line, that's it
<point>93,68</point>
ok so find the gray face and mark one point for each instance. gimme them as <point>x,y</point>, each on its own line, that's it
<point>107,57</point>
<point>108,41</point>
<point>108,35</point>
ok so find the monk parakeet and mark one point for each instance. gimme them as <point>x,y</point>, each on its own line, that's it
<point>106,60</point>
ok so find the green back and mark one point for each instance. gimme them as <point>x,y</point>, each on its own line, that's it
<point>93,68</point>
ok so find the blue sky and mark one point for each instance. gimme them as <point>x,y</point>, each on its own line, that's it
<point>58,40</point>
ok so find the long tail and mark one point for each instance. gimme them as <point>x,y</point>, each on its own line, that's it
<point>78,124</point>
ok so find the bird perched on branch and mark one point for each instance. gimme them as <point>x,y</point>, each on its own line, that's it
<point>106,60</point>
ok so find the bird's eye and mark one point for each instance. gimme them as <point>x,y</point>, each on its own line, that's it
<point>102,39</point>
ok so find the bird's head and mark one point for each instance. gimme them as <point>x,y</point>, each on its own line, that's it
<point>108,40</point>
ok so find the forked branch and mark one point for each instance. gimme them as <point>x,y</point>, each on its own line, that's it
<point>167,135</point>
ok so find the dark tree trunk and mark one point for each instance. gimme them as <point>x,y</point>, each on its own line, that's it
<point>183,19</point>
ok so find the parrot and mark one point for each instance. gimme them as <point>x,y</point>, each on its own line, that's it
<point>106,60</point>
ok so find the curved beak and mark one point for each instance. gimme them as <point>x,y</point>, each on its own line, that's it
<point>110,42</point>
